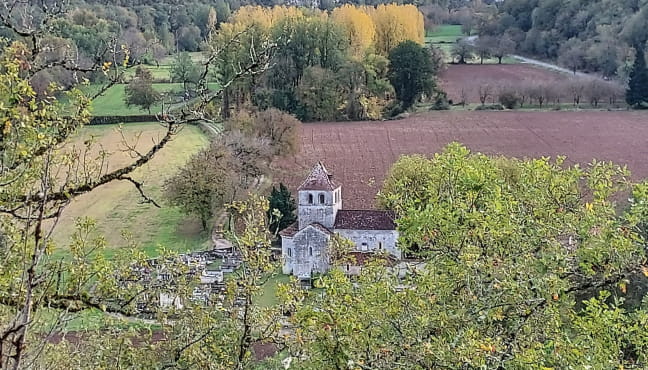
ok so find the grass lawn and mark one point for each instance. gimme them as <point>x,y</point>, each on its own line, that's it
<point>87,320</point>
<point>268,296</point>
<point>162,72</point>
<point>117,206</point>
<point>111,103</point>
<point>445,33</point>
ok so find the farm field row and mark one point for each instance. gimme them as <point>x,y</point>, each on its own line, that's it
<point>360,154</point>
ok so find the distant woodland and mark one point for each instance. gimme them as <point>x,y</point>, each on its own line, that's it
<point>591,35</point>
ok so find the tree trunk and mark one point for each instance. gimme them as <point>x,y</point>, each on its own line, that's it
<point>499,60</point>
<point>225,113</point>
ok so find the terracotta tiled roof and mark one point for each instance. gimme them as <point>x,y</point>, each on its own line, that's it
<point>290,231</point>
<point>319,179</point>
<point>293,229</point>
<point>365,220</point>
<point>321,228</point>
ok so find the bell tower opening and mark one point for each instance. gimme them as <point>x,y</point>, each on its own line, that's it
<point>319,199</point>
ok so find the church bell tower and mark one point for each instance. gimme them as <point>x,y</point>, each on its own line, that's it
<point>319,199</point>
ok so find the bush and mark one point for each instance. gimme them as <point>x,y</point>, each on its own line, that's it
<point>441,102</point>
<point>490,107</point>
<point>393,109</point>
<point>508,99</point>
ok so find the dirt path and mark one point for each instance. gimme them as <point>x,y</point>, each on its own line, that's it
<point>553,67</point>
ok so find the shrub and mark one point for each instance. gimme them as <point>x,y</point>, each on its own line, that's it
<point>490,107</point>
<point>508,99</point>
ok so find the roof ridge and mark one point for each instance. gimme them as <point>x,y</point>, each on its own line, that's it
<point>318,179</point>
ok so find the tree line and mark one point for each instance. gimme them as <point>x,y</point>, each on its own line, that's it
<point>576,91</point>
<point>350,63</point>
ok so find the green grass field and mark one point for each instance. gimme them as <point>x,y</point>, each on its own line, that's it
<point>117,206</point>
<point>445,33</point>
<point>111,103</point>
<point>268,296</point>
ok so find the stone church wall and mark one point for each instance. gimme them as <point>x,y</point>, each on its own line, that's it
<point>309,253</point>
<point>373,240</point>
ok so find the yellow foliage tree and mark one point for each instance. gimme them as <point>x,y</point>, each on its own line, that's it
<point>395,24</point>
<point>264,17</point>
<point>359,27</point>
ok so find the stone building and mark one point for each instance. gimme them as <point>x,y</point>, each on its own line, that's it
<point>304,244</point>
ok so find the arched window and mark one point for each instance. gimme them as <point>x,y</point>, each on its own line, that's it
<point>321,198</point>
<point>310,198</point>
<point>380,245</point>
<point>289,252</point>
<point>310,251</point>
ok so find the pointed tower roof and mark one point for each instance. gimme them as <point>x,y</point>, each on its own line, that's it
<point>319,179</point>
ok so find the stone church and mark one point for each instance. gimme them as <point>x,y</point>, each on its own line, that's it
<point>304,244</point>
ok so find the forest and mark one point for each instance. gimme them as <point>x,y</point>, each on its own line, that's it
<point>597,36</point>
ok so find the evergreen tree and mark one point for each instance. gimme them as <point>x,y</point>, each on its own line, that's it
<point>282,201</point>
<point>637,93</point>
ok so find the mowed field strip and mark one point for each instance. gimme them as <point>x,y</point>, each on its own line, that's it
<point>117,206</point>
<point>359,154</point>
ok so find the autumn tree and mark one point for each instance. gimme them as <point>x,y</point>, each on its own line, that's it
<point>484,47</point>
<point>503,47</point>
<point>359,27</point>
<point>395,24</point>
<point>279,129</point>
<point>411,72</point>
<point>572,55</point>
<point>199,187</point>
<point>318,95</point>
<point>365,86</point>
<point>140,91</point>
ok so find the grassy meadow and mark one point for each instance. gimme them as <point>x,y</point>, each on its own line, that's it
<point>111,103</point>
<point>446,35</point>
<point>117,206</point>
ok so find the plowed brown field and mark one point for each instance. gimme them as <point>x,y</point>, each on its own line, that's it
<point>359,154</point>
<point>468,76</point>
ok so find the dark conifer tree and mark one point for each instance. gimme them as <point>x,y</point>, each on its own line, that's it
<point>637,93</point>
<point>283,201</point>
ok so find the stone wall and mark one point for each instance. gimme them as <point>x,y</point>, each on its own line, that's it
<point>318,212</point>
<point>373,240</point>
<point>308,252</point>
